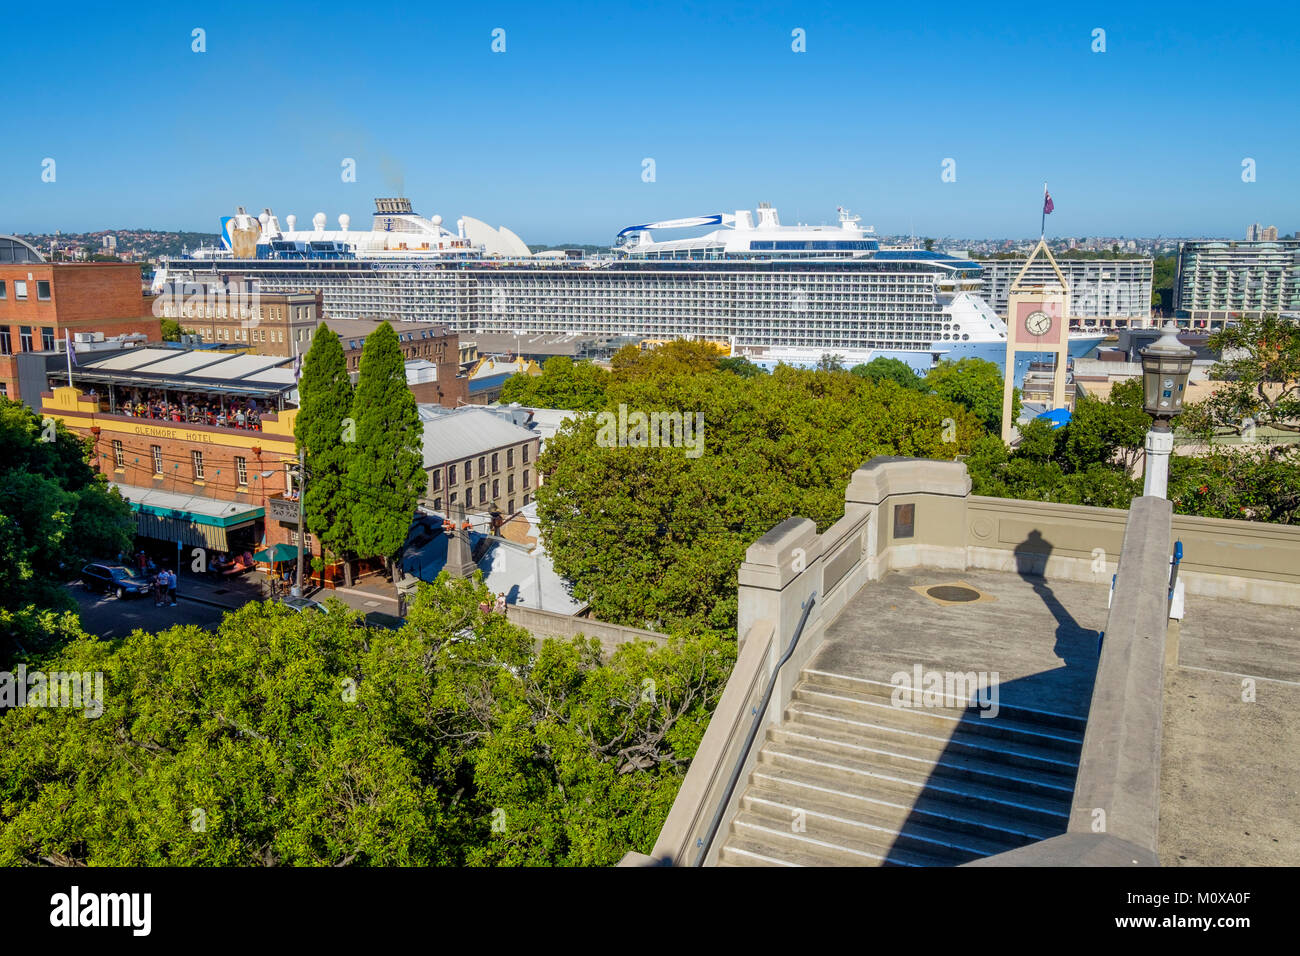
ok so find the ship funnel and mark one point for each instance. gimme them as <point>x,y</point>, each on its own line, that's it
<point>460,228</point>
<point>292,220</point>
<point>344,221</point>
<point>318,222</point>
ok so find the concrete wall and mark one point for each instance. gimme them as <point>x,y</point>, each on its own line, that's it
<point>544,624</point>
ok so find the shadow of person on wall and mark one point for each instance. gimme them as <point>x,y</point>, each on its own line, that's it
<point>1005,781</point>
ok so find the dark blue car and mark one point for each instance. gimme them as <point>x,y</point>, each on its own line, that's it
<point>115,578</point>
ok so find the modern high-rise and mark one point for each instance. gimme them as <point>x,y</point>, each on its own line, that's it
<point>1108,293</point>
<point>1219,280</point>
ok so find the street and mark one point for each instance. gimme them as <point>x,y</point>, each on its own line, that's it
<point>106,616</point>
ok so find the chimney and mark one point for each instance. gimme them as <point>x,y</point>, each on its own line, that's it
<point>460,558</point>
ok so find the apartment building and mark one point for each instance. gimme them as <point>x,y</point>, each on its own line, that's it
<point>1220,280</point>
<point>1107,293</point>
<point>239,313</point>
<point>477,459</point>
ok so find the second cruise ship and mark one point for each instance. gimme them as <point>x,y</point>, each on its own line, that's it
<point>771,291</point>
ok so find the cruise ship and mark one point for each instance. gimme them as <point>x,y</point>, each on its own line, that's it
<point>773,292</point>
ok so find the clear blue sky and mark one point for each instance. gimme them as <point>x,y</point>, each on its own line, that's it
<point>548,138</point>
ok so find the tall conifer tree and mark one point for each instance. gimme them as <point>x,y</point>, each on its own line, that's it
<point>386,468</point>
<point>325,405</point>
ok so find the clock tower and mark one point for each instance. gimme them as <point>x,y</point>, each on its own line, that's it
<point>1038,310</point>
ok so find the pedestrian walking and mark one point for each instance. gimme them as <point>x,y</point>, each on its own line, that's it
<point>159,586</point>
<point>171,587</point>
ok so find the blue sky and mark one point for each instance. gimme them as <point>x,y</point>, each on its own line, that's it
<point>549,137</point>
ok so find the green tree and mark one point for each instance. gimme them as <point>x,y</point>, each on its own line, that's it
<point>385,475</point>
<point>325,430</point>
<point>564,383</point>
<point>171,330</point>
<point>890,369</point>
<point>976,385</point>
<point>56,513</point>
<point>739,365</point>
<point>1258,383</point>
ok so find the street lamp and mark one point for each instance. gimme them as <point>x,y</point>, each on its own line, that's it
<point>1165,367</point>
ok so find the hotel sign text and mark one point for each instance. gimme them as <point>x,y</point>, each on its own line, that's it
<point>154,431</point>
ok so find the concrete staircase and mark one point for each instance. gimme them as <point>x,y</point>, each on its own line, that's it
<point>848,779</point>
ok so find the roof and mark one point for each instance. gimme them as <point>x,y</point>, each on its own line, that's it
<point>13,249</point>
<point>465,433</point>
<point>193,369</point>
<point>195,508</point>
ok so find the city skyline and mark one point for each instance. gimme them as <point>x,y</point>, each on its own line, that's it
<point>550,136</point>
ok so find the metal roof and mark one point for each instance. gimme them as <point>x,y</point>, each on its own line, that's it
<point>466,433</point>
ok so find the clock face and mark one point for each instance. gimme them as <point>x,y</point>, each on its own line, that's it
<point>1038,323</point>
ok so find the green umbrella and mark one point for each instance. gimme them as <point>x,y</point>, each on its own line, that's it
<point>277,553</point>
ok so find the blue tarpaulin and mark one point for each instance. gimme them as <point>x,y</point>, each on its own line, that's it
<point>1059,417</point>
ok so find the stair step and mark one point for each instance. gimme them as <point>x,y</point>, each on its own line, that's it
<point>824,820</point>
<point>882,690</point>
<point>896,810</point>
<point>856,727</point>
<point>864,775</point>
<point>900,750</point>
<point>1004,726</point>
<point>777,841</point>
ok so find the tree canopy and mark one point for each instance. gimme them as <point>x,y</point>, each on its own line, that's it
<point>56,513</point>
<point>324,428</point>
<point>309,739</point>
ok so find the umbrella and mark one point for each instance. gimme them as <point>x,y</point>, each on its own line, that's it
<point>277,553</point>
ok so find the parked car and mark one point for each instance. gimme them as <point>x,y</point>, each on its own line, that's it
<point>116,578</point>
<point>300,605</point>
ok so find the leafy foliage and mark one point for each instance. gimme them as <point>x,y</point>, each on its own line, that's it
<point>653,536</point>
<point>975,384</point>
<point>890,369</point>
<point>563,384</point>
<point>326,398</point>
<point>56,513</point>
<point>294,739</point>
<point>385,465</point>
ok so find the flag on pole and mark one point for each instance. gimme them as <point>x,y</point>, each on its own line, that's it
<point>1048,205</point>
<point>72,353</point>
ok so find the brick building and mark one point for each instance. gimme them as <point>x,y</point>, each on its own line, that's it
<point>215,486</point>
<point>41,302</point>
<point>438,345</point>
<point>476,458</point>
<point>237,313</point>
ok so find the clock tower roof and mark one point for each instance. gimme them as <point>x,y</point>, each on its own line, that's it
<point>1031,279</point>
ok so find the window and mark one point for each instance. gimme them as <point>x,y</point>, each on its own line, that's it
<point>495,466</point>
<point>118,460</point>
<point>3,292</point>
<point>469,496</point>
<point>452,499</point>
<point>4,389</point>
<point>436,482</point>
<point>482,465</point>
<point>451,474</point>
<point>510,483</point>
<point>496,488</point>
<point>25,337</point>
<point>482,493</point>
<point>43,290</point>
<point>510,508</point>
<point>20,290</point>
<point>526,500</point>
<point>241,469</point>
<point>510,457</point>
<point>6,343</point>
<point>525,448</point>
<point>469,469</point>
<point>157,458</point>
<point>197,458</point>
<point>47,339</point>
<point>525,477</point>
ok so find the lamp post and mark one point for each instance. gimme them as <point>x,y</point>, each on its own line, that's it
<point>1165,366</point>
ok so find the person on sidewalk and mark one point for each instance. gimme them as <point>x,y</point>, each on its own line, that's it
<point>159,587</point>
<point>171,587</point>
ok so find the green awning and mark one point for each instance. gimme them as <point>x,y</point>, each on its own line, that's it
<point>277,553</point>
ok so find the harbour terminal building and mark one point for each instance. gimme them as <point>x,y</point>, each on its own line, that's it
<point>1219,280</point>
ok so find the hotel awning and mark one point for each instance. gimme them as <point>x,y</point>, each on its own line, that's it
<point>193,520</point>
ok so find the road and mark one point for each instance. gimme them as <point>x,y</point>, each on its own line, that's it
<point>106,616</point>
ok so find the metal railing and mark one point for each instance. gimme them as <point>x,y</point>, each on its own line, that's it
<point>705,842</point>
